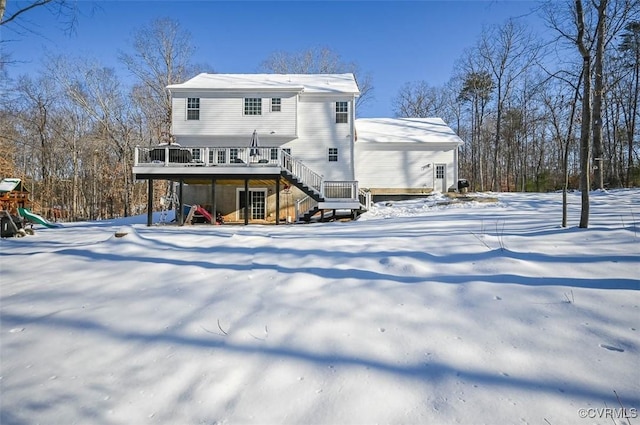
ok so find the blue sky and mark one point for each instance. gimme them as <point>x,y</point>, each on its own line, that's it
<point>394,41</point>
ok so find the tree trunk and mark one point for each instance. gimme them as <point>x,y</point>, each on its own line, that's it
<point>585,145</point>
<point>598,151</point>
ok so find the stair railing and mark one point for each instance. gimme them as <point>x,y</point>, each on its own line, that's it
<point>364,196</point>
<point>304,205</point>
<point>301,171</point>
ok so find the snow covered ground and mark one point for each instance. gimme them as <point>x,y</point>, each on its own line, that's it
<point>471,313</point>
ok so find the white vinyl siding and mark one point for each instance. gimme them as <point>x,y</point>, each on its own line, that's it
<point>317,132</point>
<point>402,167</point>
<point>222,114</point>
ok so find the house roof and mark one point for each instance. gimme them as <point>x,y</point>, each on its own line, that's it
<point>308,83</point>
<point>418,131</point>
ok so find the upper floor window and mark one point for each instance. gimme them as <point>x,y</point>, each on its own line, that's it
<point>333,154</point>
<point>342,112</point>
<point>276,104</point>
<point>252,106</point>
<point>193,108</point>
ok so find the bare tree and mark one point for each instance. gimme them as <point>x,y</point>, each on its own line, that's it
<point>419,100</point>
<point>612,17</point>
<point>598,150</point>
<point>37,105</point>
<point>99,92</point>
<point>508,52</point>
<point>629,85</point>
<point>161,56</point>
<point>321,60</point>
<point>476,90</point>
<point>8,137</point>
<point>585,145</point>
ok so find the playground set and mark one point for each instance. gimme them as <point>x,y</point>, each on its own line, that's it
<point>15,217</point>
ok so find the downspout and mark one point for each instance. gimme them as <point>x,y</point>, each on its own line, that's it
<point>455,167</point>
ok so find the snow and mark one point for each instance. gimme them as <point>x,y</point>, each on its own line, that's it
<point>419,312</point>
<point>309,83</point>
<point>414,131</point>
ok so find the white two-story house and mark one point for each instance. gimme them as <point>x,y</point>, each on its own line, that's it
<point>273,147</point>
<point>301,163</point>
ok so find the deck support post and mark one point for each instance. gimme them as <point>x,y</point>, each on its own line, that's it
<point>180,203</point>
<point>214,213</point>
<point>277,201</point>
<point>246,201</point>
<point>150,202</point>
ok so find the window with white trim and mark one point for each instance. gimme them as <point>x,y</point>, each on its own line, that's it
<point>252,106</point>
<point>276,104</point>
<point>222,156</point>
<point>342,112</point>
<point>333,154</point>
<point>234,154</point>
<point>195,154</point>
<point>193,108</point>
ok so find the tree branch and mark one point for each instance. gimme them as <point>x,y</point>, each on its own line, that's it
<point>21,11</point>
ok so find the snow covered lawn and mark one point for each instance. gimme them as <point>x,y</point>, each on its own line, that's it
<point>472,313</point>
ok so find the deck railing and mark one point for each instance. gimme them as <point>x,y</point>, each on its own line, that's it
<point>340,190</point>
<point>172,155</point>
<point>177,156</point>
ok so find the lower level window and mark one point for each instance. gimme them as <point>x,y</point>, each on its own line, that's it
<point>233,154</point>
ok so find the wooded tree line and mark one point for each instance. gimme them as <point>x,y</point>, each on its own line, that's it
<point>516,100</point>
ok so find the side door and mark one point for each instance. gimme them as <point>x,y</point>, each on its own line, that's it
<point>440,182</point>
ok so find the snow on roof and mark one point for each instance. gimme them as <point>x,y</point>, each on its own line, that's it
<point>405,130</point>
<point>9,185</point>
<point>309,83</point>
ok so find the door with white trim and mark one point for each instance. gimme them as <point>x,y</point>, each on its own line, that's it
<point>257,204</point>
<point>440,181</point>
